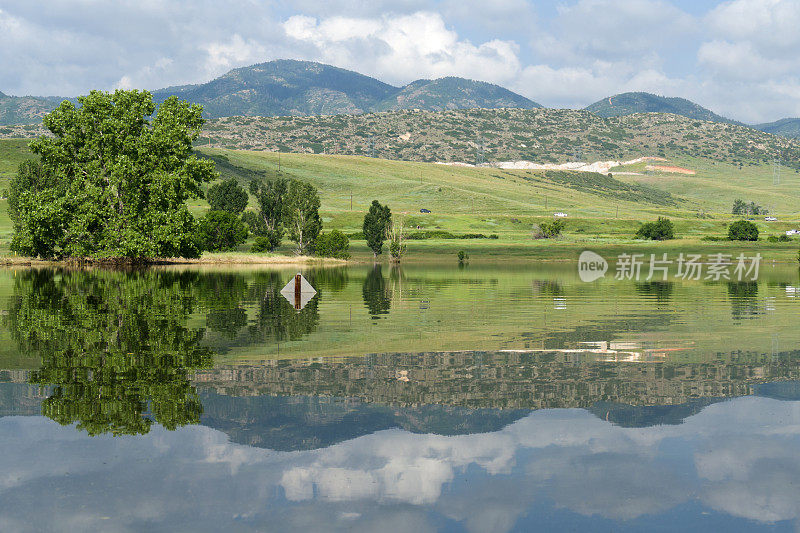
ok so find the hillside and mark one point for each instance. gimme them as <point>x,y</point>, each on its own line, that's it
<point>538,135</point>
<point>24,109</point>
<point>299,88</point>
<point>787,127</point>
<point>284,88</point>
<point>453,93</point>
<point>632,103</point>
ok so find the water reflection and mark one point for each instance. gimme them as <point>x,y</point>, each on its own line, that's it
<point>110,351</point>
<point>636,406</point>
<point>377,297</point>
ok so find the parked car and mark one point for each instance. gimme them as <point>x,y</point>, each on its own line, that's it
<point>770,219</point>
<point>424,211</point>
<point>792,232</point>
<point>560,215</point>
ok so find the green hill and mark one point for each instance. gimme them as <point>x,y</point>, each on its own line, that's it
<point>631,103</point>
<point>284,88</point>
<point>787,127</point>
<point>299,88</point>
<point>288,87</point>
<point>24,109</point>
<point>453,93</point>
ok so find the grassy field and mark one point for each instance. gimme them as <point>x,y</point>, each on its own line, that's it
<point>508,203</point>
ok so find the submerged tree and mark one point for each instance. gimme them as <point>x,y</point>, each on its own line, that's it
<point>115,347</point>
<point>111,183</point>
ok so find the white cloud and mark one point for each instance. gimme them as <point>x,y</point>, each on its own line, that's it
<point>634,30</point>
<point>403,48</point>
<point>770,24</point>
<point>743,451</point>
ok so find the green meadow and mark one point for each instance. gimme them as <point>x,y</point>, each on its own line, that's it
<point>602,212</point>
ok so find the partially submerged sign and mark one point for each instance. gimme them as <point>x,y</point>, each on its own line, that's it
<point>298,291</point>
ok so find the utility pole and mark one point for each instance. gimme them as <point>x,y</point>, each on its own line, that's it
<point>351,200</point>
<point>776,171</point>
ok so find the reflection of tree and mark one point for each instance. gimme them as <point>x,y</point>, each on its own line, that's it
<point>744,303</point>
<point>377,299</point>
<point>661,290</point>
<point>112,345</point>
<point>276,319</point>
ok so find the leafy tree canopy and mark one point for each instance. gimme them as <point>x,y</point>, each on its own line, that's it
<point>301,215</point>
<point>267,222</point>
<point>661,230</point>
<point>111,182</point>
<point>743,230</point>
<point>221,231</point>
<point>227,196</point>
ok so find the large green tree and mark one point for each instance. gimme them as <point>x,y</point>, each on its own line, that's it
<point>267,221</point>
<point>112,181</point>
<point>376,226</point>
<point>301,215</point>
<point>227,196</point>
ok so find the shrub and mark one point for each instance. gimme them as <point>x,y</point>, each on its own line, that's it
<point>743,230</point>
<point>462,256</point>
<point>333,244</point>
<point>261,245</point>
<point>779,238</point>
<point>548,230</point>
<point>660,230</point>
<point>221,231</point>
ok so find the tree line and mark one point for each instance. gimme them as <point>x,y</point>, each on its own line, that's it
<point>114,178</point>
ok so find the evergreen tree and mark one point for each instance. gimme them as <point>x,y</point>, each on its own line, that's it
<point>376,226</point>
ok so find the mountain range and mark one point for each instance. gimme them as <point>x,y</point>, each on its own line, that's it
<point>302,88</point>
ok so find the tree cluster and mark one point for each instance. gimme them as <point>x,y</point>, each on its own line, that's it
<point>740,207</point>
<point>284,207</point>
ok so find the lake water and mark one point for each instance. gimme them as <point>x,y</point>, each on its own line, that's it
<point>419,398</point>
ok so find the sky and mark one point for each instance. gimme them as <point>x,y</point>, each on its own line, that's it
<point>734,460</point>
<point>739,57</point>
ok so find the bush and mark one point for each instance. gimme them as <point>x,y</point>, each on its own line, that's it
<point>661,230</point>
<point>462,256</point>
<point>548,230</point>
<point>779,238</point>
<point>220,231</point>
<point>743,230</point>
<point>262,245</point>
<point>333,244</point>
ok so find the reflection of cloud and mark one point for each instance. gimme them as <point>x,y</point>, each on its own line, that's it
<point>730,458</point>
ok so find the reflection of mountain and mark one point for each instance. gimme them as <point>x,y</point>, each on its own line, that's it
<point>309,422</point>
<point>514,380</point>
<point>636,416</point>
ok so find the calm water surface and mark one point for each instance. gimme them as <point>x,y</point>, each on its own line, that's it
<point>421,398</point>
